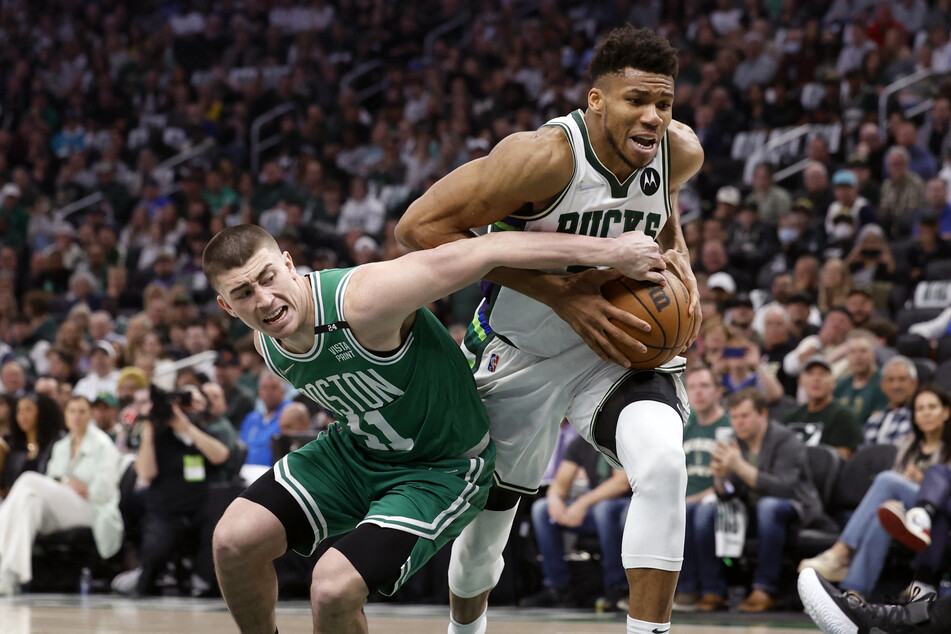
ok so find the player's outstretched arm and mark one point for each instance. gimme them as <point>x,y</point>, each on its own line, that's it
<point>382,297</point>
<point>686,158</point>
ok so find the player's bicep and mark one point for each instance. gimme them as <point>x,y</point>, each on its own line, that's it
<point>522,169</point>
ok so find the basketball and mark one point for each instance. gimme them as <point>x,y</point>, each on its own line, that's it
<point>663,307</point>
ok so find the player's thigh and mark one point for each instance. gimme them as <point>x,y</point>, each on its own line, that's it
<point>327,480</point>
<point>433,503</point>
<point>526,398</point>
<point>596,410</point>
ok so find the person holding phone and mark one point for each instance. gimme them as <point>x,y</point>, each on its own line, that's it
<point>745,368</point>
<point>870,259</point>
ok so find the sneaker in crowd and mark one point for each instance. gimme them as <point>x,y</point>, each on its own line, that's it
<point>711,603</point>
<point>549,597</point>
<point>126,582</point>
<point>838,612</point>
<point>916,589</point>
<point>912,528</point>
<point>826,564</point>
<point>686,601</point>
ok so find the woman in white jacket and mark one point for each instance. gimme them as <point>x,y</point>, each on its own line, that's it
<point>80,488</point>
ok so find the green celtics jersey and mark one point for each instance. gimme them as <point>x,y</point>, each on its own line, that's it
<point>417,403</point>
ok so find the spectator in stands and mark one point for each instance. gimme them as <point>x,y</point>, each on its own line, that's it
<point>752,242</point>
<point>903,193</point>
<point>920,160</point>
<point>871,258</point>
<point>738,314</point>
<point>936,194</point>
<point>599,511</point>
<point>701,585</point>
<point>765,467</point>
<point>924,527</point>
<point>835,283</point>
<point>869,188</point>
<point>821,420</point>
<point>105,411</point>
<point>14,218</point>
<point>857,557</point>
<point>102,376</point>
<point>728,203</point>
<point>227,372</point>
<point>935,134</point>
<point>12,379</point>
<point>39,423</point>
<point>889,425</point>
<point>928,246</point>
<point>860,306</point>
<point>848,202</point>
<point>80,488</point>
<point>178,458</point>
<point>828,342</point>
<point>294,418</point>
<point>778,341</point>
<point>816,188</point>
<point>259,426</point>
<point>806,274</point>
<point>859,390</point>
<point>745,369</point>
<point>272,189</point>
<point>772,201</point>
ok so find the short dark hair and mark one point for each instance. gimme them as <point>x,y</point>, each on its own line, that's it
<point>747,394</point>
<point>233,247</point>
<point>630,47</point>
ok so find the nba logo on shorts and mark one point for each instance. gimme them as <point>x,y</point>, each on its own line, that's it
<point>493,363</point>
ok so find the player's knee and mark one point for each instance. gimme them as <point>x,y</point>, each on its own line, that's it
<point>241,537</point>
<point>663,472</point>
<point>333,591</point>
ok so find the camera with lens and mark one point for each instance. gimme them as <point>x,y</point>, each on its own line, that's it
<point>163,401</point>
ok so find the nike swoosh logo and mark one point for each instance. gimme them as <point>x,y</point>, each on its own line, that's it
<point>656,631</point>
<point>288,368</point>
<point>584,187</point>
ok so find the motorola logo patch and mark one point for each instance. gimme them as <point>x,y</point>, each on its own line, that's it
<point>650,181</point>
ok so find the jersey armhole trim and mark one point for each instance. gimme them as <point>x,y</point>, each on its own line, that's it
<point>574,169</point>
<point>391,358</point>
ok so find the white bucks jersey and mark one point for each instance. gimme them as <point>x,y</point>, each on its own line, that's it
<point>593,203</point>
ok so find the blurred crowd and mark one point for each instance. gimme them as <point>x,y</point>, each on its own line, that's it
<point>131,132</point>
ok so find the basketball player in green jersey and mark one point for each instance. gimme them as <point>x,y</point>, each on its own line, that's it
<point>409,461</point>
<point>541,343</point>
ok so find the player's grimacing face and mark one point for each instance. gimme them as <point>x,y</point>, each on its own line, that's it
<point>636,111</point>
<point>262,293</point>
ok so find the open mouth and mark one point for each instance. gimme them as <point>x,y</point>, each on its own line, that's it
<point>276,316</point>
<point>644,142</point>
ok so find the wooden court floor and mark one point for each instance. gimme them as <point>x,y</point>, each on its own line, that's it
<point>104,614</point>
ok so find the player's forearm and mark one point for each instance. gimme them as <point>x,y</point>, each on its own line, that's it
<point>672,235</point>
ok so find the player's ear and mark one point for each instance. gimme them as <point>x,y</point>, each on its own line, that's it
<point>224,305</point>
<point>289,263</point>
<point>596,100</point>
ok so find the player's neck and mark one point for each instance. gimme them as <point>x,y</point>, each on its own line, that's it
<point>603,149</point>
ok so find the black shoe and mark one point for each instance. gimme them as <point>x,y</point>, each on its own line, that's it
<point>838,612</point>
<point>549,598</point>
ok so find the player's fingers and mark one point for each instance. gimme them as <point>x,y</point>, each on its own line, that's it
<point>611,351</point>
<point>656,278</point>
<point>628,319</point>
<point>619,336</point>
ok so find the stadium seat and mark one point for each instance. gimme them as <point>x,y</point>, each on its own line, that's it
<point>913,345</point>
<point>943,353</point>
<point>938,270</point>
<point>824,465</point>
<point>942,375</point>
<point>907,317</point>
<point>857,474</point>
<point>926,369</point>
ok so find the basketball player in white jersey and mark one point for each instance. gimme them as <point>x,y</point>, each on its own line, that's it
<point>541,342</point>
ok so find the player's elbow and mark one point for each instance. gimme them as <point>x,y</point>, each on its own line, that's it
<point>408,234</point>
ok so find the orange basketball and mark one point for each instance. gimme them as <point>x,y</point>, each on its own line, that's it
<point>663,307</point>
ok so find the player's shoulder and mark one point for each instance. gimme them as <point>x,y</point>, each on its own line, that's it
<point>686,153</point>
<point>537,161</point>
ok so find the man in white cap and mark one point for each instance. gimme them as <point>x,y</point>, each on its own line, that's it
<point>728,201</point>
<point>722,285</point>
<point>102,376</point>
